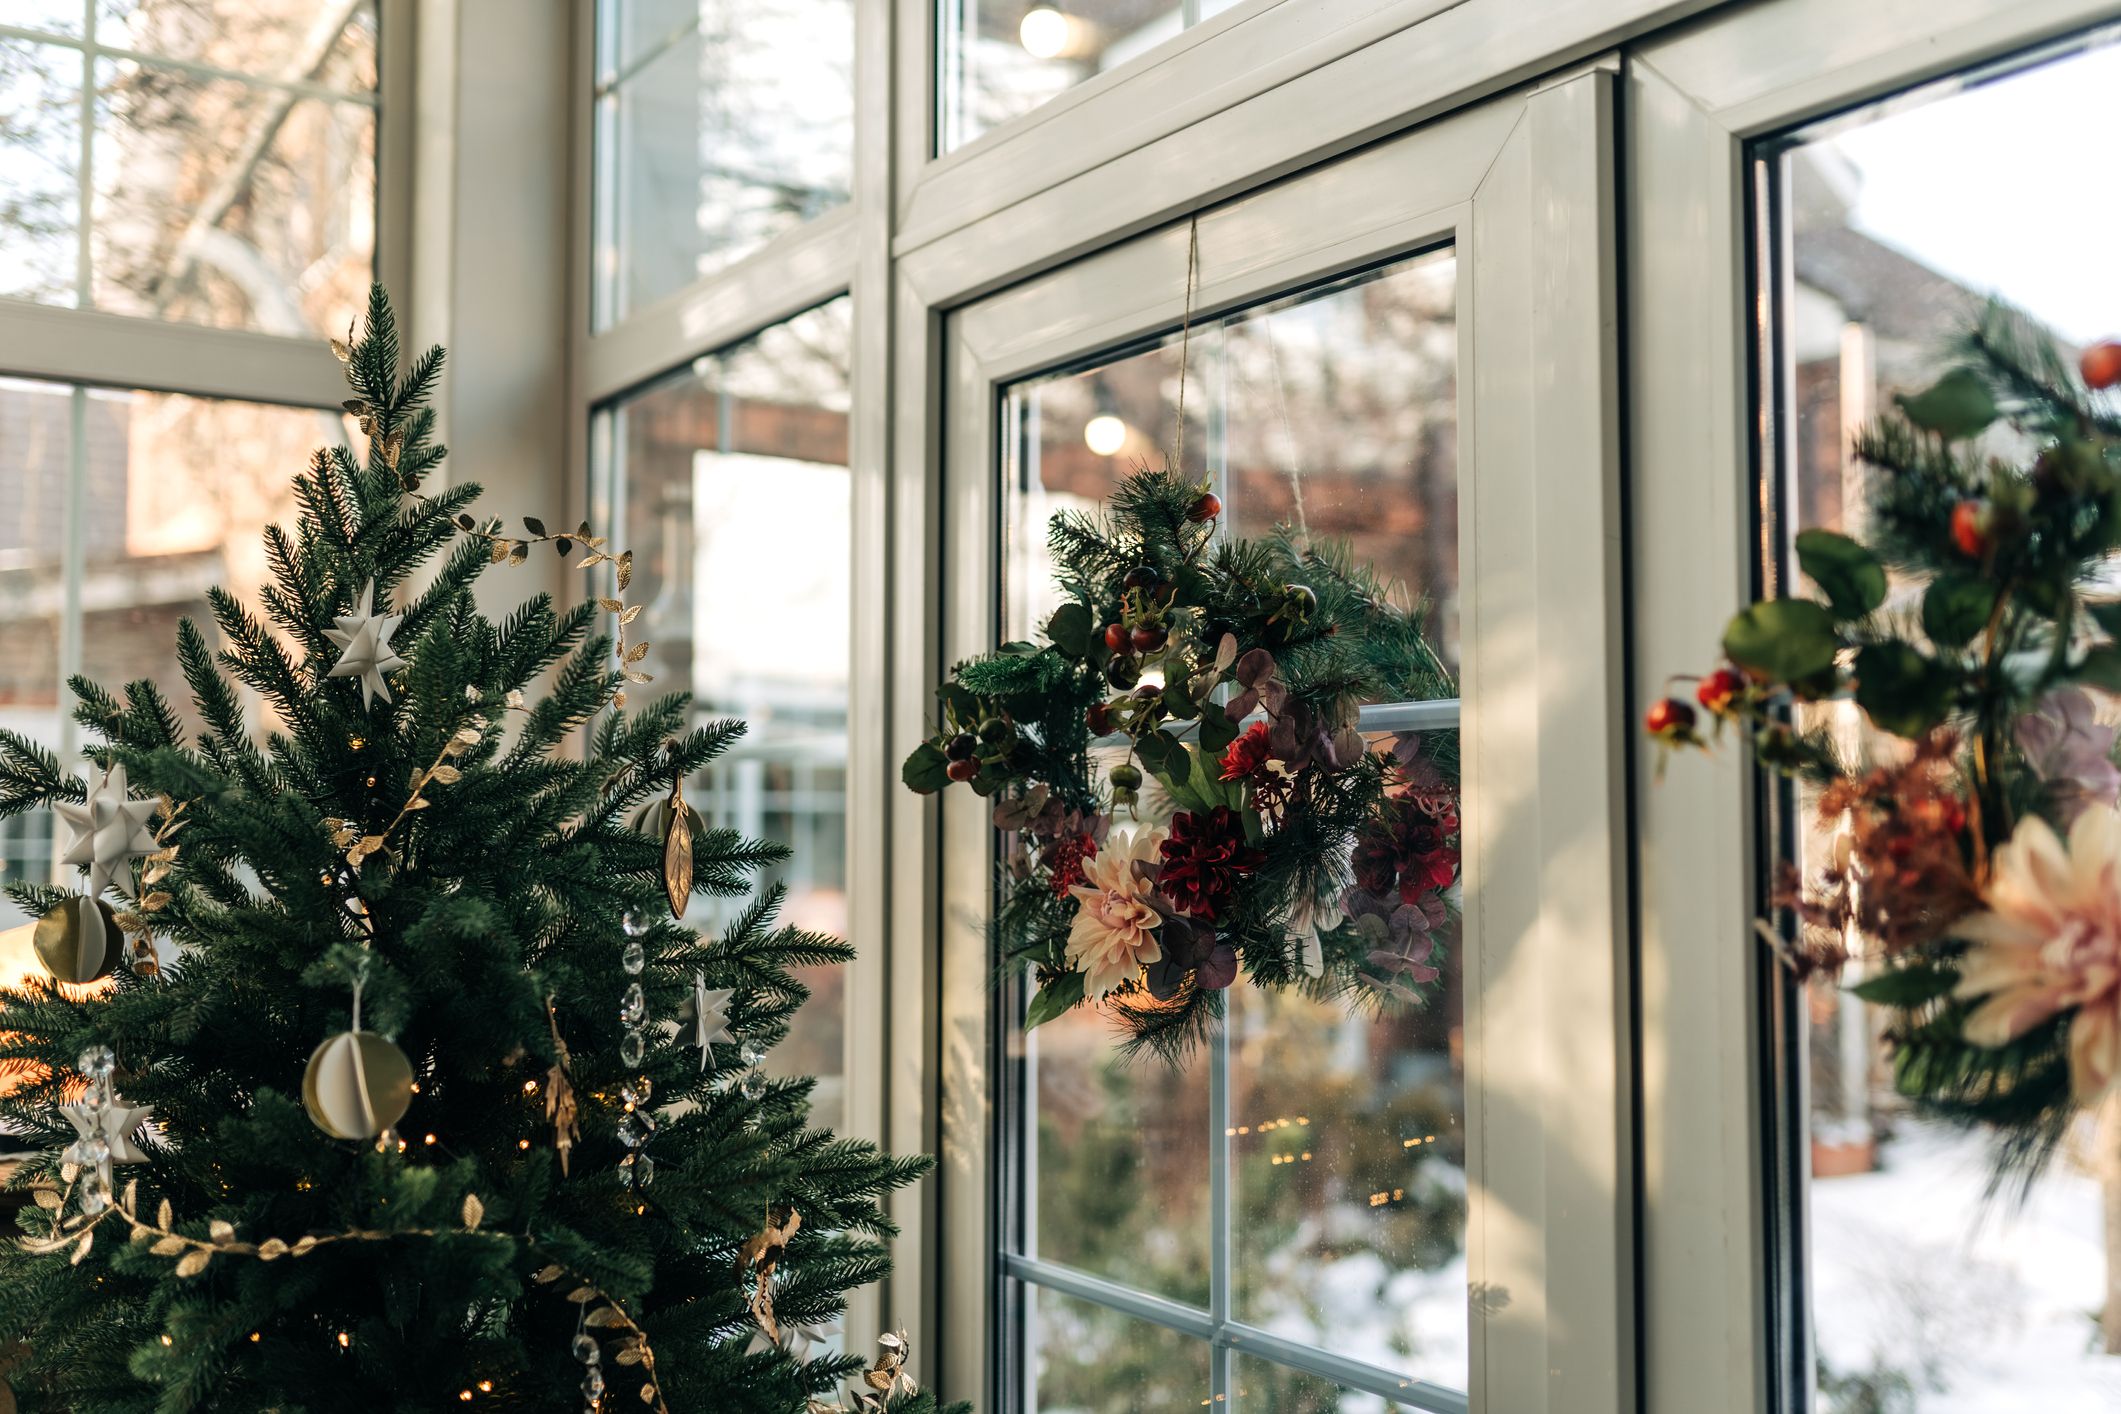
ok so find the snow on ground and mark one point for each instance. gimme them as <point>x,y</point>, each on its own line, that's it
<point>1987,1306</point>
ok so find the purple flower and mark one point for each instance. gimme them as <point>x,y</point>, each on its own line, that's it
<point>2067,746</point>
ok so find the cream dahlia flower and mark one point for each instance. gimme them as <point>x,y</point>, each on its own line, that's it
<point>2051,941</point>
<point>1113,936</point>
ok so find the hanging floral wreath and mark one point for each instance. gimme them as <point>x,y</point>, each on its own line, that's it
<point>1180,780</point>
<point>1975,869</point>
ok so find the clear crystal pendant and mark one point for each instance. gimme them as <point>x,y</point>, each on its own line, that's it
<point>97,1063</point>
<point>634,958</point>
<point>632,1046</point>
<point>586,1349</point>
<point>753,1084</point>
<point>633,1006</point>
<point>751,1055</point>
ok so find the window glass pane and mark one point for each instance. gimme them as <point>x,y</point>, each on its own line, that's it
<point>1334,412</point>
<point>1927,1294</point>
<point>1121,1161</point>
<point>36,448</point>
<point>40,159</point>
<point>719,125</point>
<point>326,42</point>
<point>51,16</point>
<point>1003,58</point>
<point>733,479</point>
<point>1348,1147</point>
<point>1261,1385</point>
<point>221,203</point>
<point>178,494</point>
<point>1089,1360</point>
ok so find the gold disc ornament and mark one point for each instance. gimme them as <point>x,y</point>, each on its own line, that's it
<point>357,1084</point>
<point>79,941</point>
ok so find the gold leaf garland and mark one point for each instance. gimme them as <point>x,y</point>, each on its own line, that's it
<point>505,547</point>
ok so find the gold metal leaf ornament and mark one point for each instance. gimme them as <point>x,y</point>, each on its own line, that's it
<point>677,851</point>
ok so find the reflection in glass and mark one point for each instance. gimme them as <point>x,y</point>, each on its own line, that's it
<point>40,153</point>
<point>1928,1297</point>
<point>1261,1385</point>
<point>732,475</point>
<point>179,491</point>
<point>1003,58</point>
<point>719,125</point>
<point>1121,1151</point>
<point>1088,1360</point>
<point>1348,1149</point>
<point>244,203</point>
<point>273,230</point>
<point>1334,413</point>
<point>174,495</point>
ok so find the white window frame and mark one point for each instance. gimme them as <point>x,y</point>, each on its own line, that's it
<point>1520,187</point>
<point>89,348</point>
<point>1725,1322</point>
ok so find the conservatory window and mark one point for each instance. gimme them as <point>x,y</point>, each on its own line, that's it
<point>1279,1223</point>
<point>708,470</point>
<point>1925,1291</point>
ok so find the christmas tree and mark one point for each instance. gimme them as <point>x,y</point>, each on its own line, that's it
<point>398,1121</point>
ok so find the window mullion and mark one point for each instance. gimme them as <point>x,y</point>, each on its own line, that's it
<point>1219,1230</point>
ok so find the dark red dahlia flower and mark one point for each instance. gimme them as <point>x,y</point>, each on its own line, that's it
<point>1204,858</point>
<point>1247,754</point>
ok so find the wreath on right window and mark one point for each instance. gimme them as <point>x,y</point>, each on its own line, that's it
<point>1183,789</point>
<point>1975,866</point>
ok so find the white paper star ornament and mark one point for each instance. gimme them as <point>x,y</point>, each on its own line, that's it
<point>110,829</point>
<point>706,1015</point>
<point>801,1341</point>
<point>121,1123</point>
<point>364,635</point>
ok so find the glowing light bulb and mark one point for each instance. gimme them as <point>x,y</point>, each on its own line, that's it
<point>1044,33</point>
<point>1104,434</point>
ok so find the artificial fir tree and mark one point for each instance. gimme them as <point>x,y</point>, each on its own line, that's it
<point>410,826</point>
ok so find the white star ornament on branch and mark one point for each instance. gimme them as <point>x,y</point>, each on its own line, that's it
<point>364,635</point>
<point>109,827</point>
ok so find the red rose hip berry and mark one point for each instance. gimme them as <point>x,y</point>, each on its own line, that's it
<point>1148,640</point>
<point>1971,523</point>
<point>963,770</point>
<point>1208,507</point>
<point>1718,689</point>
<point>1668,718</point>
<point>2101,365</point>
<point>1116,638</point>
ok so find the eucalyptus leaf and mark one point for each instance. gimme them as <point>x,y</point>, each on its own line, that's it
<point>926,770</point>
<point>1905,988</point>
<point>1900,690</point>
<point>1056,998</point>
<point>1217,731</point>
<point>1850,575</point>
<point>1957,405</point>
<point>1069,628</point>
<point>1955,608</point>
<point>1788,639</point>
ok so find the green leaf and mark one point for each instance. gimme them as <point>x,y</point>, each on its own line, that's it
<point>1156,750</point>
<point>1955,608</point>
<point>1069,628</point>
<point>1957,405</point>
<point>960,701</point>
<point>1217,731</point>
<point>1901,691</point>
<point>1853,579</point>
<point>1178,702</point>
<point>1056,998</point>
<point>1905,988</point>
<point>1019,648</point>
<point>926,770</point>
<point>1787,639</point>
